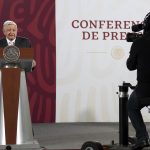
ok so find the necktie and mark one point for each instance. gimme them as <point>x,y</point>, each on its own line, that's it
<point>11,43</point>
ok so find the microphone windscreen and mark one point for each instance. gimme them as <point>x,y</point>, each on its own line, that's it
<point>137,27</point>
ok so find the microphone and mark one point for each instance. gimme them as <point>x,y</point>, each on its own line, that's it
<point>137,27</point>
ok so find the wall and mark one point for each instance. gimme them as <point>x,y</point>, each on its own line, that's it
<point>91,57</point>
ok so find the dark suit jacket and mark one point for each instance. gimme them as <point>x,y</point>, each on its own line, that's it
<point>20,42</point>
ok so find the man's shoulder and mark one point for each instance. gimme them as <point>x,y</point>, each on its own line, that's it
<point>2,39</point>
<point>3,42</point>
<point>22,42</point>
<point>22,38</point>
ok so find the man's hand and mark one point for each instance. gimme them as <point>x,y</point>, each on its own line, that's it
<point>33,63</point>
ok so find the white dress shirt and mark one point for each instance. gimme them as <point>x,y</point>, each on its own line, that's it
<point>10,42</point>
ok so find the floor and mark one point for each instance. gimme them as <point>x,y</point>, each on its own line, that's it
<point>74,135</point>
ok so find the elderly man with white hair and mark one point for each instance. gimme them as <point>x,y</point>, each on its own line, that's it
<point>10,31</point>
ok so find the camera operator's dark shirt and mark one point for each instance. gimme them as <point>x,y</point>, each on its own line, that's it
<point>139,59</point>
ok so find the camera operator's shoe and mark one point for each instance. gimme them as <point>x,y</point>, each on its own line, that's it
<point>141,145</point>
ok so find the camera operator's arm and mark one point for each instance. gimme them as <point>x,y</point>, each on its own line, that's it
<point>132,60</point>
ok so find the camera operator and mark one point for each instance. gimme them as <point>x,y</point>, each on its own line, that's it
<point>139,59</point>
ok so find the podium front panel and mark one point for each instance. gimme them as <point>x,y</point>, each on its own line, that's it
<point>23,125</point>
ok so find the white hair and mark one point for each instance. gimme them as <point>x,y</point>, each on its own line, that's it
<point>9,22</point>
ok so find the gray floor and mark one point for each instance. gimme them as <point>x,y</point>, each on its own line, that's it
<point>73,135</point>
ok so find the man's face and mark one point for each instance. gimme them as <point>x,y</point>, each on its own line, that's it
<point>10,31</point>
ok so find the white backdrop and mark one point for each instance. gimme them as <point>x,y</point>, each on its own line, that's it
<point>91,53</point>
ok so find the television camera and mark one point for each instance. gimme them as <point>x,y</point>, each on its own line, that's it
<point>145,26</point>
<point>133,36</point>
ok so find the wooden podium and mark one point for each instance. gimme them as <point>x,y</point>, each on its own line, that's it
<point>15,120</point>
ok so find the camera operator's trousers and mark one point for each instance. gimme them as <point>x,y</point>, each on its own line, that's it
<point>134,112</point>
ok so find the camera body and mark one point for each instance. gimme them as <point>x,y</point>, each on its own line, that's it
<point>130,37</point>
<point>145,26</point>
<point>133,36</point>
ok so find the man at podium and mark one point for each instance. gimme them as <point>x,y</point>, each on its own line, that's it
<point>16,58</point>
<point>10,31</point>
